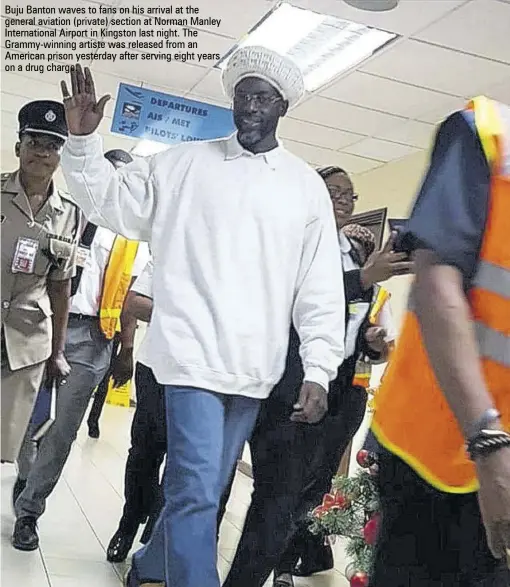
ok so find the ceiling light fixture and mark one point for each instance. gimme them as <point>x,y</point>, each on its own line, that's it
<point>145,148</point>
<point>323,46</point>
<point>373,5</point>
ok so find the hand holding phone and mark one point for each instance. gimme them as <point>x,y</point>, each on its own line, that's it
<point>386,263</point>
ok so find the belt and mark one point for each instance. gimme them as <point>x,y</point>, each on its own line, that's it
<point>82,316</point>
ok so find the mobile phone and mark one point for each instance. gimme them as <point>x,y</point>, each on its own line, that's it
<point>398,225</point>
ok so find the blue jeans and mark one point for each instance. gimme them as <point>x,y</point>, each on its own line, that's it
<point>205,434</point>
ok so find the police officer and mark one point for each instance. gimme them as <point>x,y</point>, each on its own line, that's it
<point>40,229</point>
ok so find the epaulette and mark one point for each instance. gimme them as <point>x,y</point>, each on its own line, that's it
<point>4,177</point>
<point>67,197</point>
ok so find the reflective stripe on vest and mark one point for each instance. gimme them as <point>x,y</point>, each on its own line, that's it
<point>412,417</point>
<point>116,282</point>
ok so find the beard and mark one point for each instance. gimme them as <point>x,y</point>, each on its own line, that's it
<point>248,138</point>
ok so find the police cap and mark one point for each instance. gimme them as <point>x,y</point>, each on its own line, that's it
<point>45,117</point>
<point>118,155</point>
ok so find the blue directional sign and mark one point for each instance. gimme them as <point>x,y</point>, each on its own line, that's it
<point>155,116</point>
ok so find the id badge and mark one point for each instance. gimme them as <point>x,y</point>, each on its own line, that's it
<point>24,256</point>
<point>82,256</point>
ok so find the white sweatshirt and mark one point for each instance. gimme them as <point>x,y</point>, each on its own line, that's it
<point>242,244</point>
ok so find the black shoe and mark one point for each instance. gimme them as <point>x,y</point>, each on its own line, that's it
<point>119,546</point>
<point>320,561</point>
<point>283,580</point>
<point>17,490</point>
<point>25,535</point>
<point>93,430</point>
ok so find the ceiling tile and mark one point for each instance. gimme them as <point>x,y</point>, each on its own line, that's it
<point>207,100</point>
<point>20,85</point>
<point>181,76</point>
<point>379,149</point>
<point>317,157</point>
<point>237,18</point>
<point>410,132</point>
<point>343,116</point>
<point>432,67</point>
<point>437,114</point>
<point>314,134</point>
<point>9,119</point>
<point>462,30</point>
<point>386,95</point>
<point>210,86</point>
<point>115,141</point>
<point>407,18</point>
<point>12,102</point>
<point>500,92</point>
<point>109,84</point>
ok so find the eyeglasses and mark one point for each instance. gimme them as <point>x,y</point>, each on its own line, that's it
<point>260,99</point>
<point>346,196</point>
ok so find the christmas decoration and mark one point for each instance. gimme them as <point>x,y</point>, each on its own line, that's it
<point>359,580</point>
<point>370,530</point>
<point>351,510</point>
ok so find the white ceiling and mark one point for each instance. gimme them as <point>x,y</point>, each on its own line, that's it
<point>384,110</point>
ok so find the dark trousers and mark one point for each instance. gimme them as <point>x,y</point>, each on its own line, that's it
<point>293,465</point>
<point>338,431</point>
<point>147,451</point>
<point>102,389</point>
<point>429,538</point>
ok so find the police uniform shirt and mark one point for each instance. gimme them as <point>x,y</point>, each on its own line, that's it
<point>52,236</point>
<point>87,298</point>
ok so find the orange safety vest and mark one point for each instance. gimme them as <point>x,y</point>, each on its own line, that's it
<point>116,282</point>
<point>412,417</point>
<point>364,368</point>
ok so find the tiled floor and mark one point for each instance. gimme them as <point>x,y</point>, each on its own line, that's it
<point>83,513</point>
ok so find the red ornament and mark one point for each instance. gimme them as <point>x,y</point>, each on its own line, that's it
<point>365,459</point>
<point>359,579</point>
<point>371,529</point>
<point>328,500</point>
<point>341,502</point>
<point>362,458</point>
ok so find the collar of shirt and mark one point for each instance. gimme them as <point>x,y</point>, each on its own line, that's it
<point>348,262</point>
<point>13,185</point>
<point>234,150</point>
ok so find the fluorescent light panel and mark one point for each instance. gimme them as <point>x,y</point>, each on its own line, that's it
<point>145,148</point>
<point>323,46</point>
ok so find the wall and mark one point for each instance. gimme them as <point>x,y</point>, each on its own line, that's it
<point>395,186</point>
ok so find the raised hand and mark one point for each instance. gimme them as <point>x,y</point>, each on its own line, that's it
<point>83,111</point>
<point>385,263</point>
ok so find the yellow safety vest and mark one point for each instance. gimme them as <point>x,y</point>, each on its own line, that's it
<point>116,282</point>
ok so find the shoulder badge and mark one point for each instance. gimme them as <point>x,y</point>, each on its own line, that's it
<point>67,197</point>
<point>3,178</point>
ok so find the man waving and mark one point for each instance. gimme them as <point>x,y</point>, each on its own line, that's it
<point>244,242</point>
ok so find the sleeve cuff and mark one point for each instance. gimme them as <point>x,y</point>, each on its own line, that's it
<point>317,375</point>
<point>82,144</point>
